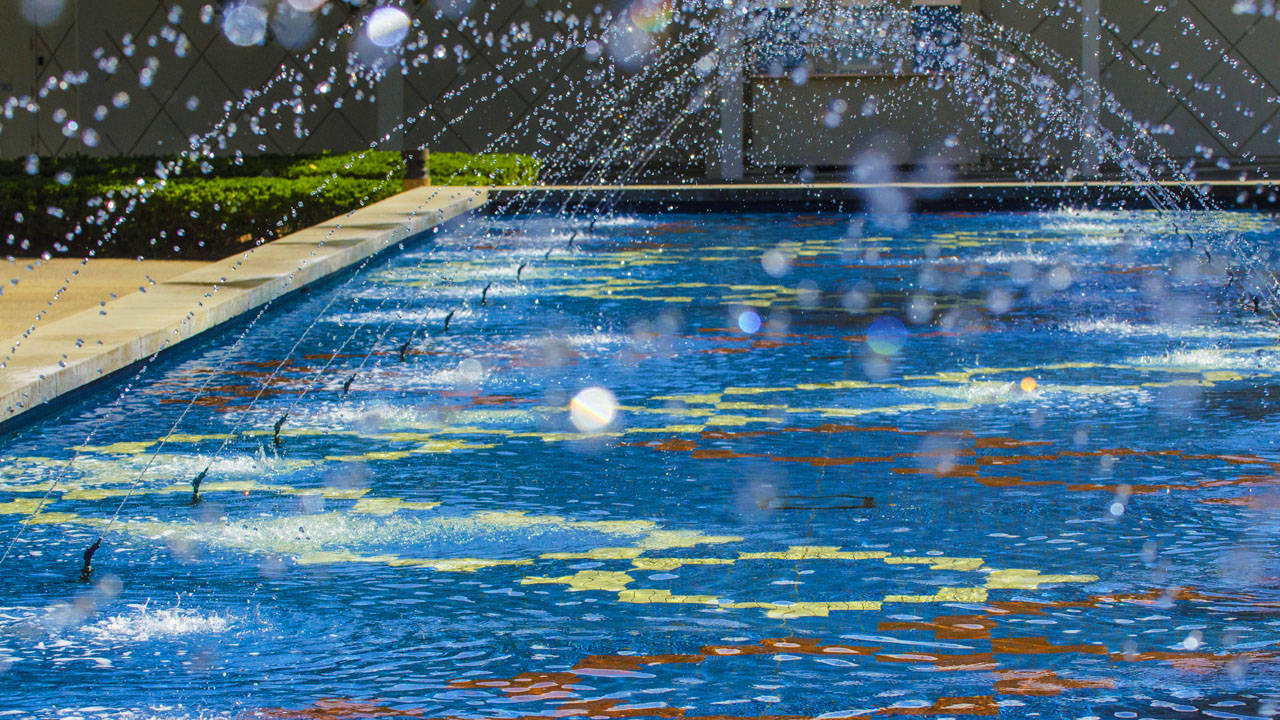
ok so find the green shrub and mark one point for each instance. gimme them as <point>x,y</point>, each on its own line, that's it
<point>375,165</point>
<point>494,169</point>
<point>211,211</point>
<point>369,164</point>
<point>204,217</point>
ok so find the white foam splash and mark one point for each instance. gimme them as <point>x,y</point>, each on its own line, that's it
<point>997,392</point>
<point>371,417</point>
<point>105,471</point>
<point>145,624</point>
<point>1009,257</point>
<point>410,317</point>
<point>1210,358</point>
<point>1109,326</point>
<point>577,341</point>
<point>159,712</point>
<point>1128,328</point>
<point>324,534</point>
<point>984,392</point>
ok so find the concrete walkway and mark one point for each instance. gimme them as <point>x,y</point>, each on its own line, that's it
<point>30,285</point>
<point>68,351</point>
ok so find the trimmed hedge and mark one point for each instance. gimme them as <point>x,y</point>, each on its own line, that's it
<point>496,169</point>
<point>213,208</point>
<point>372,164</point>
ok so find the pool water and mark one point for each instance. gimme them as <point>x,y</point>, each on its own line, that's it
<point>679,466</point>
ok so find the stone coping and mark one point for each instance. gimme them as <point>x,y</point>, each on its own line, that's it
<point>67,354</point>
<point>31,283</point>
<point>748,185</point>
<point>980,194</point>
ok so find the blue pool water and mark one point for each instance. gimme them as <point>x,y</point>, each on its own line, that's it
<point>1013,464</point>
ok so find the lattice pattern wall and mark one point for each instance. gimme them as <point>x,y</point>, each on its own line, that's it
<point>1186,64</point>
<point>187,93</point>
<point>1195,66</point>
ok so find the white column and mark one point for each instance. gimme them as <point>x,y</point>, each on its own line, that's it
<point>390,103</point>
<point>731,102</point>
<point>1090,45</point>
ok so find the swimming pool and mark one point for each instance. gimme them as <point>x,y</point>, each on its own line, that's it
<point>679,465</point>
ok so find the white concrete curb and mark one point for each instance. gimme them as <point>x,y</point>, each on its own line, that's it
<point>66,354</point>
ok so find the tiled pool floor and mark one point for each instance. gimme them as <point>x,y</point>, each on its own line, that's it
<point>679,466</point>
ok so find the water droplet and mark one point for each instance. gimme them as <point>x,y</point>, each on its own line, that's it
<point>43,12</point>
<point>387,26</point>
<point>776,262</point>
<point>593,409</point>
<point>886,335</point>
<point>244,25</point>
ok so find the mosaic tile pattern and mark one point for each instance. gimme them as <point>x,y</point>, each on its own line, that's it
<point>985,465</point>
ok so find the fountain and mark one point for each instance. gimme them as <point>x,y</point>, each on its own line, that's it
<point>847,359</point>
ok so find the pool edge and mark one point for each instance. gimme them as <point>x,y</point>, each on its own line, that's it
<point>64,356</point>
<point>966,196</point>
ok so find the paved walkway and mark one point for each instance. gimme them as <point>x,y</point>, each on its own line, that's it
<point>79,345</point>
<point>98,281</point>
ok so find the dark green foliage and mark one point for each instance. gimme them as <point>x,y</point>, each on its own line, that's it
<point>495,169</point>
<point>369,164</point>
<point>213,207</point>
<point>372,165</point>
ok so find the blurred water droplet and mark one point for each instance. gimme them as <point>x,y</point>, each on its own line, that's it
<point>244,24</point>
<point>856,299</point>
<point>593,409</point>
<point>886,335</point>
<point>808,294</point>
<point>776,262</point>
<point>387,27</point>
<point>1059,278</point>
<point>999,300</point>
<point>920,309</point>
<point>43,12</point>
<point>471,371</point>
<point>1193,641</point>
